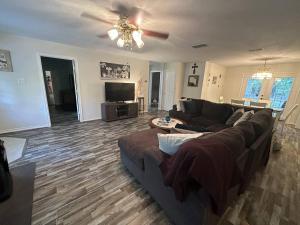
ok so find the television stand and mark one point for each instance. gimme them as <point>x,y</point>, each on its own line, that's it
<point>112,111</point>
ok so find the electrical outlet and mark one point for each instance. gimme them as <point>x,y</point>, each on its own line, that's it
<point>21,81</point>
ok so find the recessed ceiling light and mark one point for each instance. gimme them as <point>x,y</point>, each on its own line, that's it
<point>200,46</point>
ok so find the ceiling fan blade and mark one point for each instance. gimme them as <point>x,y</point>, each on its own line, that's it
<point>103,35</point>
<point>92,17</point>
<point>156,34</point>
<point>125,10</point>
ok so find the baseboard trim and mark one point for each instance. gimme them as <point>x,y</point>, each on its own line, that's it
<point>23,128</point>
<point>91,119</point>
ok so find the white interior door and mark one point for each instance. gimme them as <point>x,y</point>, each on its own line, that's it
<point>169,90</point>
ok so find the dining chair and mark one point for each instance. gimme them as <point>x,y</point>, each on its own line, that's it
<point>285,117</point>
<point>237,102</point>
<point>258,104</point>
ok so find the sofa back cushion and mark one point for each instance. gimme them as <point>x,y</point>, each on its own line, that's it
<point>262,120</point>
<point>248,131</point>
<point>198,103</point>
<point>246,116</point>
<point>234,117</point>
<point>190,107</point>
<point>246,108</point>
<point>217,112</point>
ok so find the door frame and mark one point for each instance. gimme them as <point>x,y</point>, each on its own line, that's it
<point>173,94</point>
<point>161,79</point>
<point>76,83</point>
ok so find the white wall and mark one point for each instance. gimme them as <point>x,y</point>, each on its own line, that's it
<point>179,71</point>
<point>156,66</point>
<point>212,91</point>
<point>236,78</point>
<point>23,102</point>
<point>193,92</point>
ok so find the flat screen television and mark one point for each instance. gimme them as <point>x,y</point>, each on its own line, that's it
<point>117,92</point>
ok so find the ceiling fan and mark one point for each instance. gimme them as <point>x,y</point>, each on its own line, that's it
<point>127,29</point>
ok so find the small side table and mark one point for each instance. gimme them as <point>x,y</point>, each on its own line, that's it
<point>141,102</point>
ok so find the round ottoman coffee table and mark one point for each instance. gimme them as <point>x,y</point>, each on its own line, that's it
<point>158,122</point>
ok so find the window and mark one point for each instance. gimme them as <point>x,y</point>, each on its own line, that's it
<point>280,92</point>
<point>253,88</point>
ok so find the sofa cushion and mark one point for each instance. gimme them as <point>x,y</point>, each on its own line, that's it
<point>201,121</point>
<point>216,112</point>
<point>169,143</point>
<point>199,104</point>
<point>217,127</point>
<point>245,117</point>
<point>181,131</point>
<point>180,115</point>
<point>135,145</point>
<point>196,128</point>
<point>191,107</point>
<point>246,108</point>
<point>234,117</point>
<point>248,131</point>
<point>261,121</point>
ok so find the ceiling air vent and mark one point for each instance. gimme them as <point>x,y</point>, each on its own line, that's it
<point>200,46</point>
<point>255,50</point>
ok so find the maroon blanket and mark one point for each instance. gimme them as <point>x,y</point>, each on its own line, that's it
<point>209,163</point>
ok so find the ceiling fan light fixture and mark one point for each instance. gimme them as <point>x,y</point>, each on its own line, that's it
<point>120,43</point>
<point>139,43</point>
<point>137,35</point>
<point>113,34</point>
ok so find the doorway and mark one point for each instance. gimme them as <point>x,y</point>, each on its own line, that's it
<point>59,79</point>
<point>155,90</point>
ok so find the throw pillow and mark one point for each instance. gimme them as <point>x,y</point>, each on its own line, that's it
<point>169,143</point>
<point>246,116</point>
<point>234,117</point>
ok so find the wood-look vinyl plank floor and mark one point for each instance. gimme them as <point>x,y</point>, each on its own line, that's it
<point>80,179</point>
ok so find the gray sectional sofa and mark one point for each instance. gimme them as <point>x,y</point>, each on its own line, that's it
<point>142,157</point>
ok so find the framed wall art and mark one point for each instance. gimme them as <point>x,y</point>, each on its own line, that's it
<point>5,61</point>
<point>193,80</point>
<point>110,71</point>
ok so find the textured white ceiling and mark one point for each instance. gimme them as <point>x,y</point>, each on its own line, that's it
<point>229,27</point>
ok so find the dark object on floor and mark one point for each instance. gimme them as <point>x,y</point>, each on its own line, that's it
<point>174,107</point>
<point>17,209</point>
<point>191,127</point>
<point>5,177</point>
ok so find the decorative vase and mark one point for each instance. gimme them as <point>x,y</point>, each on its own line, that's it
<point>168,119</point>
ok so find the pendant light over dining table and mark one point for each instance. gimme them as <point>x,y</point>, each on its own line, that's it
<point>263,73</point>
